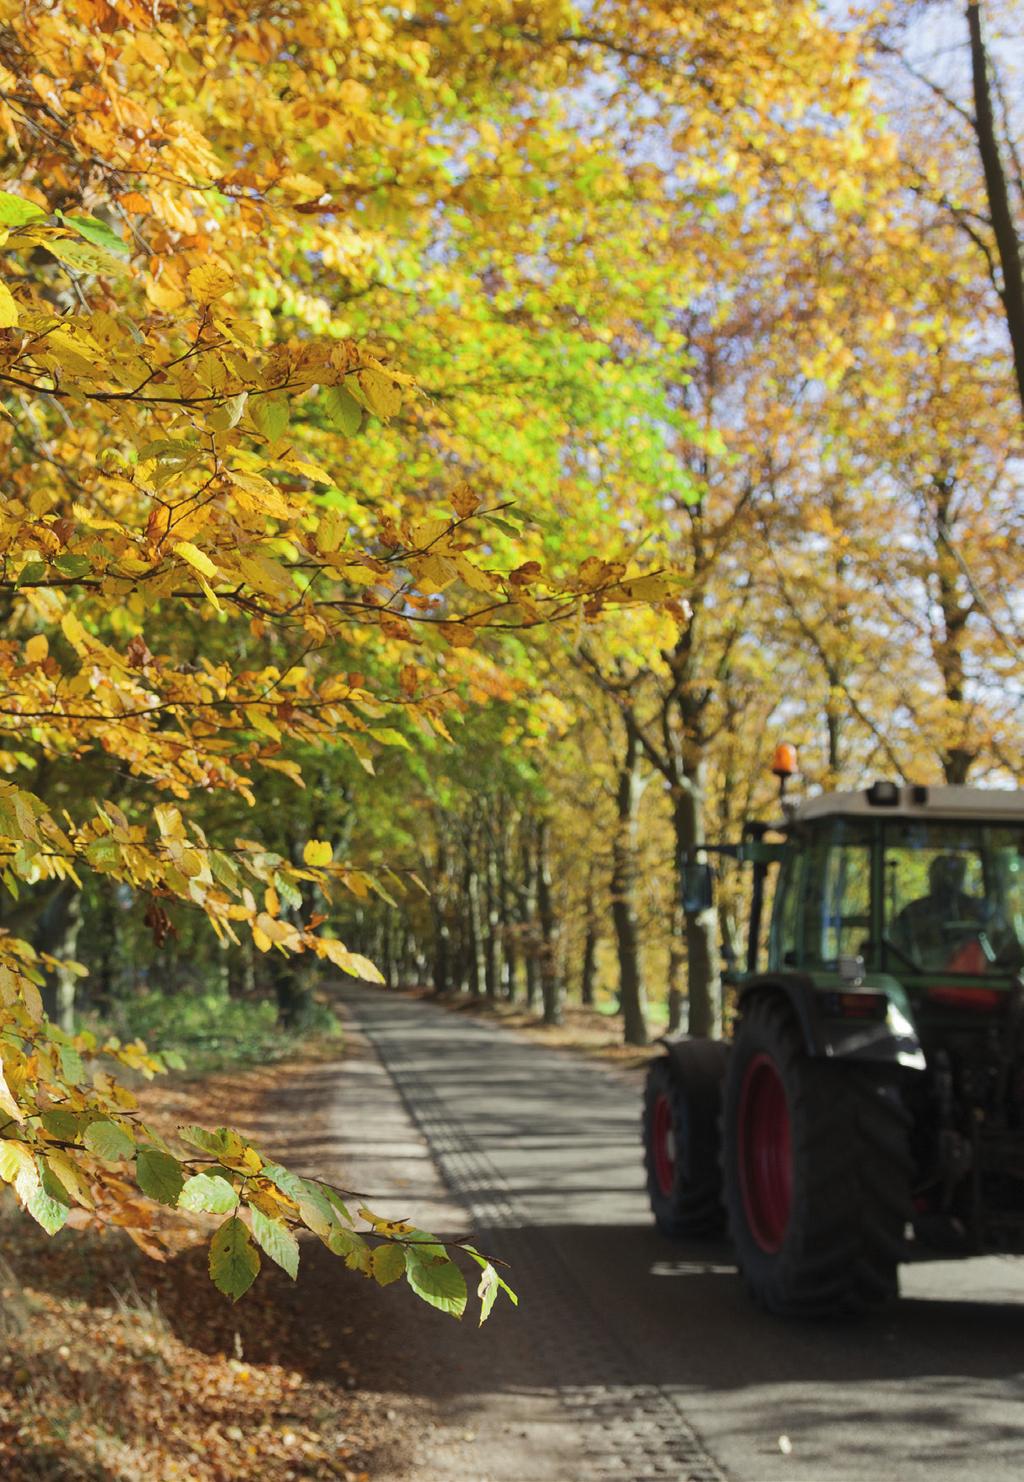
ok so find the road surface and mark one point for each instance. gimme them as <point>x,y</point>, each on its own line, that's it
<point>634,1357</point>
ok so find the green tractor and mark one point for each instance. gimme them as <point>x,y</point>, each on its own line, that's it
<point>873,1087</point>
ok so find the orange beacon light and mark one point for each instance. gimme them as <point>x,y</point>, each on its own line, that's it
<point>784,764</point>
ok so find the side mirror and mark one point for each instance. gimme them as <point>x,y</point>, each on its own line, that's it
<point>698,888</point>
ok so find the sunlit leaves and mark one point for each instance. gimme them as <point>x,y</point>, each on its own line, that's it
<point>438,1281</point>
<point>388,1264</point>
<point>205,1193</point>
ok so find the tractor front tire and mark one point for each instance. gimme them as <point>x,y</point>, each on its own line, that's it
<point>816,1171</point>
<point>682,1104</point>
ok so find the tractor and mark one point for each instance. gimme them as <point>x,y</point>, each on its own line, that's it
<point>869,1104</point>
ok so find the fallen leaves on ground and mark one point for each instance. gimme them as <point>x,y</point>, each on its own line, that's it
<point>113,1366</point>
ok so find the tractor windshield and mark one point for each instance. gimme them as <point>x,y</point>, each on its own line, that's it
<point>953,897</point>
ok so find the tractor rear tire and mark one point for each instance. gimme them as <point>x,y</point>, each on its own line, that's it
<point>682,1105</point>
<point>816,1171</point>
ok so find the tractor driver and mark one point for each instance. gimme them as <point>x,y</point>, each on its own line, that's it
<point>945,925</point>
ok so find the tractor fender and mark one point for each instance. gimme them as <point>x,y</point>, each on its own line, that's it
<point>696,1059</point>
<point>830,1035</point>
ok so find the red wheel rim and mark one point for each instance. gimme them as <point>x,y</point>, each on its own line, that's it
<point>765,1154</point>
<point>664,1139</point>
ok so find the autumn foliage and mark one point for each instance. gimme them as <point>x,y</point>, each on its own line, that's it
<point>366,369</point>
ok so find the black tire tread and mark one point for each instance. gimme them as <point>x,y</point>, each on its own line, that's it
<point>851,1177</point>
<point>695,1205</point>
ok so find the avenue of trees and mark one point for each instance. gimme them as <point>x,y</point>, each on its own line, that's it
<point>445,447</point>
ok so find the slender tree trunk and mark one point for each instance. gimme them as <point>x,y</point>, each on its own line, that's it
<point>1004,228</point>
<point>632,996</point>
<point>532,944</point>
<point>588,975</point>
<point>705,985</point>
<point>948,645</point>
<point>475,923</point>
<point>101,979</point>
<point>56,933</point>
<point>492,938</point>
<point>552,988</point>
<point>676,969</point>
<point>439,919</point>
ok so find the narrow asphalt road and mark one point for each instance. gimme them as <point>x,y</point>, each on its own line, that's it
<point>633,1357</point>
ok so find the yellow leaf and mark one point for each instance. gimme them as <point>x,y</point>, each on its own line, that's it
<point>73,631</point>
<point>15,1160</point>
<point>195,558</point>
<point>381,392</point>
<point>317,852</point>
<point>7,1100</point>
<point>37,648</point>
<point>209,282</point>
<point>8,307</point>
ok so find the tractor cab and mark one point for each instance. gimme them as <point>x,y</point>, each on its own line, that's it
<point>921,884</point>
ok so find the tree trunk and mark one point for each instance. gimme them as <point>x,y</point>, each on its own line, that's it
<point>705,985</point>
<point>474,921</point>
<point>57,934</point>
<point>949,643</point>
<point>1000,211</point>
<point>531,945</point>
<point>588,976</point>
<point>676,970</point>
<point>551,984</point>
<point>492,938</point>
<point>632,996</point>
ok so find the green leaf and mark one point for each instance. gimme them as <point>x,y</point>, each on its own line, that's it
<point>47,1211</point>
<point>316,1211</point>
<point>73,566</point>
<point>353,1248</point>
<point>276,1241</point>
<point>108,1141</point>
<point>440,1283</point>
<point>338,1203</point>
<point>51,1184</point>
<point>96,232</point>
<point>221,1143</point>
<point>82,257</point>
<point>234,1260</point>
<point>16,212</point>
<point>289,1183</point>
<point>424,1245</point>
<point>104,853</point>
<point>32,571</point>
<point>206,1193</point>
<point>159,1175</point>
<point>270,415</point>
<point>388,1263</point>
<point>71,1064</point>
<point>343,411</point>
<point>173,1059</point>
<point>62,1124</point>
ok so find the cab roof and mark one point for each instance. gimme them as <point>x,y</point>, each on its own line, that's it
<point>898,800</point>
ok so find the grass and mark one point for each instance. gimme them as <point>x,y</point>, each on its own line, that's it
<point>213,1032</point>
